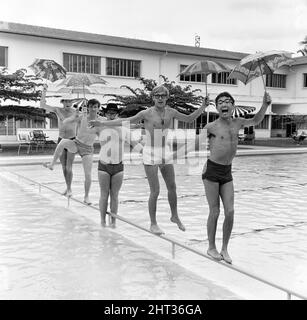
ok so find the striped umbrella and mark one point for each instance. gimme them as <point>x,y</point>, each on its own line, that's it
<point>259,64</point>
<point>241,111</point>
<point>81,80</point>
<point>77,90</point>
<point>204,67</point>
<point>48,69</point>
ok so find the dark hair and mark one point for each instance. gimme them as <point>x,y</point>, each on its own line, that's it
<point>112,106</point>
<point>64,100</point>
<point>224,94</point>
<point>91,102</point>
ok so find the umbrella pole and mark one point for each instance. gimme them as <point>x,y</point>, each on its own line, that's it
<point>262,76</point>
<point>206,97</point>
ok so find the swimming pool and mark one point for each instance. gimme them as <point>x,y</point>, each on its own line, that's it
<point>268,238</point>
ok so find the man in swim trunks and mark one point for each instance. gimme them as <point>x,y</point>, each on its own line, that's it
<point>66,131</point>
<point>82,144</point>
<point>217,177</point>
<point>110,165</point>
<point>157,120</point>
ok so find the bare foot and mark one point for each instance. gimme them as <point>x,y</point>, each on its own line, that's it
<point>103,224</point>
<point>213,253</point>
<point>68,193</point>
<point>178,222</point>
<point>154,228</point>
<point>226,257</point>
<point>113,225</point>
<point>87,201</point>
<point>48,165</point>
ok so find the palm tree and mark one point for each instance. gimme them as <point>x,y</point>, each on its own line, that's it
<point>303,51</point>
<point>19,86</point>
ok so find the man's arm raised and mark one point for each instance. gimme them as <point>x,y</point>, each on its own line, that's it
<point>43,103</point>
<point>260,114</point>
<point>76,117</point>
<point>117,122</point>
<point>191,117</point>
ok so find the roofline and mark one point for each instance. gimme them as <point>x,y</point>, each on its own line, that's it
<point>167,50</point>
<point>299,61</point>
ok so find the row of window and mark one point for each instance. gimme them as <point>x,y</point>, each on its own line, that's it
<point>92,64</point>
<point>132,68</point>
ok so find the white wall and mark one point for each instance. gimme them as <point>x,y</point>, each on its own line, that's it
<point>22,50</point>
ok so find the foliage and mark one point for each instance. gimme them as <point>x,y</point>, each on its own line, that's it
<point>19,86</point>
<point>24,112</point>
<point>303,50</point>
<point>140,98</point>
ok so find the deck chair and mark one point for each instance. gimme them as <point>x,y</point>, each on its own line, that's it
<point>38,138</point>
<point>24,140</point>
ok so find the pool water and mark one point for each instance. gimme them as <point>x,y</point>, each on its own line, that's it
<point>58,252</point>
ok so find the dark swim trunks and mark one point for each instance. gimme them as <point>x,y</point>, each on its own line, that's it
<point>111,169</point>
<point>217,172</point>
<point>59,139</point>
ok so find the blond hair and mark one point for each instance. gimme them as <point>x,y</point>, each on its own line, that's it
<point>158,89</point>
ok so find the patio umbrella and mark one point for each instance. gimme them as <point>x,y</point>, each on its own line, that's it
<point>210,109</point>
<point>77,90</point>
<point>79,103</point>
<point>81,80</point>
<point>241,111</point>
<point>48,69</point>
<point>259,64</point>
<point>204,67</point>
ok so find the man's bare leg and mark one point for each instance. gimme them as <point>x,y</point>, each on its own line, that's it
<point>168,175</point>
<point>227,196</point>
<point>116,183</point>
<point>87,162</point>
<point>153,181</point>
<point>104,183</point>
<point>67,159</point>
<point>64,144</point>
<point>212,195</point>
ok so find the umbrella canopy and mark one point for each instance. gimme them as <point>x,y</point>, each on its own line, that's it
<point>205,67</point>
<point>48,69</point>
<point>77,90</point>
<point>82,79</point>
<point>260,63</point>
<point>77,81</point>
